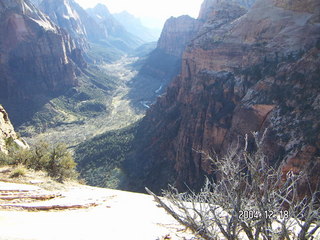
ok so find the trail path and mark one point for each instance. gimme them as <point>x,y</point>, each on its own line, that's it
<point>117,215</point>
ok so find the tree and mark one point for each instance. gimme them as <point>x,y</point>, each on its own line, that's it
<point>250,200</point>
<point>61,164</point>
<point>56,160</point>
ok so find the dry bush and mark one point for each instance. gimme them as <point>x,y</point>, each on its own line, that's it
<point>251,200</point>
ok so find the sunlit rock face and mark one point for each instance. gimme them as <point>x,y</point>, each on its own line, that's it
<point>247,70</point>
<point>209,7</point>
<point>63,14</point>
<point>177,33</point>
<point>68,15</point>
<point>7,133</point>
<point>311,6</point>
<point>37,57</point>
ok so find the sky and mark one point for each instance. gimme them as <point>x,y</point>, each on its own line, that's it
<point>152,13</point>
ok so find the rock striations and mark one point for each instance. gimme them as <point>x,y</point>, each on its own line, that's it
<point>210,7</point>
<point>63,14</point>
<point>246,71</point>
<point>177,33</point>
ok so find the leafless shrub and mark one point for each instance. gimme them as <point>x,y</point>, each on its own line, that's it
<point>250,200</point>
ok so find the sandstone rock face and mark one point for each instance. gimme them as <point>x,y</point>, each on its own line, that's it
<point>177,33</point>
<point>164,63</point>
<point>69,15</point>
<point>209,7</point>
<point>62,13</point>
<point>311,6</point>
<point>35,55</point>
<point>244,72</point>
<point>7,133</point>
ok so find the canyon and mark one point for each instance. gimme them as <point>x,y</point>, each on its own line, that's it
<point>136,114</point>
<point>246,71</point>
<point>241,67</point>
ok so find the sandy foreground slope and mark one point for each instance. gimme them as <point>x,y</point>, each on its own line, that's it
<point>91,213</point>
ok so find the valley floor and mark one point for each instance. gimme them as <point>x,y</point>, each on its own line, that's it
<point>33,209</point>
<point>118,215</point>
<point>122,112</point>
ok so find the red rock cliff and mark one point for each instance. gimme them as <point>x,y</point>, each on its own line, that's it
<point>244,72</point>
<point>177,33</point>
<point>35,55</point>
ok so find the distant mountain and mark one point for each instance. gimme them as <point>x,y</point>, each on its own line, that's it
<point>116,34</point>
<point>95,31</point>
<point>38,59</point>
<point>134,26</point>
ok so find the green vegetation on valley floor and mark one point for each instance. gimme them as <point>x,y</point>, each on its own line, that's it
<point>98,105</point>
<point>100,159</point>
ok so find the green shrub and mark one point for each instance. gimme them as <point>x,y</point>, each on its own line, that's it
<point>56,160</point>
<point>20,156</point>
<point>5,159</point>
<point>19,172</point>
<point>39,156</point>
<point>9,141</point>
<point>61,164</point>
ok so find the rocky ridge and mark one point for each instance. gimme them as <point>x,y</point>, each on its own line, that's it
<point>7,133</point>
<point>235,79</point>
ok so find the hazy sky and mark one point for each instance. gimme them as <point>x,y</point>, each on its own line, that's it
<point>152,12</point>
